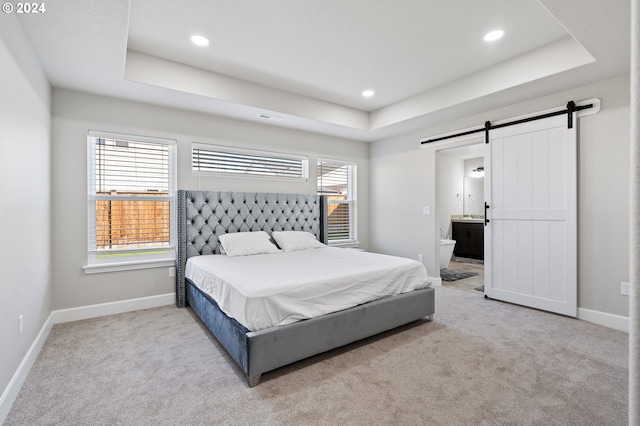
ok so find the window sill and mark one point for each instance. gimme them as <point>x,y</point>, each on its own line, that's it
<point>345,244</point>
<point>100,268</point>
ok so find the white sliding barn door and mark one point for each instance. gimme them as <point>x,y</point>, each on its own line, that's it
<point>531,236</point>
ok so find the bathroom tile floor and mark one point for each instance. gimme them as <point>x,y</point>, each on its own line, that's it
<point>467,284</point>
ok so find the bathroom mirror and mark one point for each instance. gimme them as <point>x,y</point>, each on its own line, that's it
<point>473,200</point>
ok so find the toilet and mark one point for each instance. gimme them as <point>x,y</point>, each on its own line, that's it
<point>446,251</point>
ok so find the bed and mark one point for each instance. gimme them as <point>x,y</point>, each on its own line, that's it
<point>259,346</point>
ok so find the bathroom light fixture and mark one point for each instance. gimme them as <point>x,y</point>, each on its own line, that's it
<point>494,35</point>
<point>368,93</point>
<point>477,172</point>
<point>199,40</point>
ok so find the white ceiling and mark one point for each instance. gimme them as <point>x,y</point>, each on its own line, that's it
<point>307,61</point>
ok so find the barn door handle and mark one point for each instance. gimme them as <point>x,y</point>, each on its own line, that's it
<point>486,219</point>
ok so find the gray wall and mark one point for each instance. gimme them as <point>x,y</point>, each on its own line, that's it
<point>403,179</point>
<point>25,209</point>
<point>74,113</point>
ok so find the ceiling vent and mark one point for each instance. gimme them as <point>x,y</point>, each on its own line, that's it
<point>270,117</point>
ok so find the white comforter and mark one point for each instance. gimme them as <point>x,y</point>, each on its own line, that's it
<point>267,290</point>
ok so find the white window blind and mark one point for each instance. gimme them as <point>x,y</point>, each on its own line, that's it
<point>131,196</point>
<point>241,162</point>
<point>337,180</point>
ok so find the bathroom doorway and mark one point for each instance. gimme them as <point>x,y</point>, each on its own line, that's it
<point>460,216</point>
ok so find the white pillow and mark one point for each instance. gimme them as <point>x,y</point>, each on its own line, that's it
<point>296,240</point>
<point>247,243</point>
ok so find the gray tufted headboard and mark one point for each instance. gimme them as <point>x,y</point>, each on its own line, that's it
<point>203,215</point>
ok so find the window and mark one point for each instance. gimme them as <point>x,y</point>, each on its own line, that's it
<point>337,180</point>
<point>131,183</point>
<point>242,162</point>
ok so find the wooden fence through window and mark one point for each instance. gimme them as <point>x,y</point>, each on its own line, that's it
<point>337,218</point>
<point>136,223</point>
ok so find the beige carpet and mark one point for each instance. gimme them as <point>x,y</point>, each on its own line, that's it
<point>479,362</point>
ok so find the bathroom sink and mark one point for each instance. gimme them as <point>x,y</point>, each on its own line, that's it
<point>468,219</point>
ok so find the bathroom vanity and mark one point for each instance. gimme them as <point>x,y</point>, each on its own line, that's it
<point>469,236</point>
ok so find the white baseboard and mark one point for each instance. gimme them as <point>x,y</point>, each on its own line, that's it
<point>66,315</point>
<point>616,322</point>
<point>111,308</point>
<point>436,282</point>
<point>15,384</point>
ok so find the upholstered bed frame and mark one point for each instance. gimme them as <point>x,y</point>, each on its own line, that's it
<point>204,215</point>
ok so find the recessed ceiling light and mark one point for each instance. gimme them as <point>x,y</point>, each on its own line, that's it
<point>493,35</point>
<point>368,93</point>
<point>199,40</point>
